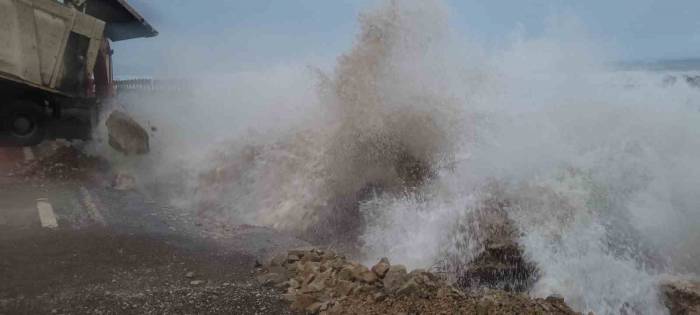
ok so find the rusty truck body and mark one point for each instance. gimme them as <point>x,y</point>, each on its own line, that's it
<point>55,59</point>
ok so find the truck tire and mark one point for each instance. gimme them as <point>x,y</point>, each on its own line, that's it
<point>25,123</point>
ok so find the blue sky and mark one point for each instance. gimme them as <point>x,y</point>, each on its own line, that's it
<point>233,35</point>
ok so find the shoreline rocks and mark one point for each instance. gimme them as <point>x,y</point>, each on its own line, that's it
<point>682,297</point>
<point>321,282</point>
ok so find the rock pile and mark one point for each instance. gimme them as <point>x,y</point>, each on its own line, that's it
<point>322,282</point>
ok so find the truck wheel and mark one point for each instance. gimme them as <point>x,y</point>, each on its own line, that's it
<point>25,122</point>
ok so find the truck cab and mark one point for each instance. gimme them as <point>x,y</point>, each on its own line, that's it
<point>56,64</point>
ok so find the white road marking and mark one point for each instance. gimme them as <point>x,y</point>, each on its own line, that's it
<point>28,154</point>
<point>91,208</point>
<point>46,214</point>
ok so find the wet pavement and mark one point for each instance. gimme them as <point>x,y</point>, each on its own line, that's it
<point>82,247</point>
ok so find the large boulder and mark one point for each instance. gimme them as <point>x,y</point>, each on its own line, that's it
<point>126,135</point>
<point>381,267</point>
<point>501,264</point>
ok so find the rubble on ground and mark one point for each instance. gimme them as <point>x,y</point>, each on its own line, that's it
<point>63,162</point>
<point>682,297</point>
<point>124,181</point>
<point>322,282</point>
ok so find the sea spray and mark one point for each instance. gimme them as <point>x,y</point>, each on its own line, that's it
<point>385,127</point>
<point>403,143</point>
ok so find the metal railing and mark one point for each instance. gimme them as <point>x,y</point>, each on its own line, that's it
<point>153,85</point>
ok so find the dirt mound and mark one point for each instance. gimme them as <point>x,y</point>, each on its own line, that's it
<point>62,163</point>
<point>322,282</point>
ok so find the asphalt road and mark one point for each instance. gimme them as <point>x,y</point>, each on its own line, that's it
<point>81,247</point>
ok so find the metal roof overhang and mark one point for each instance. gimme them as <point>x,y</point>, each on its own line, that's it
<point>123,21</point>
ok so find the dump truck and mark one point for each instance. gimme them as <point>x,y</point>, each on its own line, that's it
<point>56,64</point>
